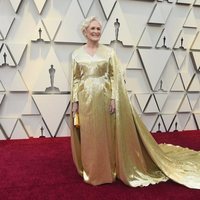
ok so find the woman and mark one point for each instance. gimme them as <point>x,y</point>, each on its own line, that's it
<point>112,142</point>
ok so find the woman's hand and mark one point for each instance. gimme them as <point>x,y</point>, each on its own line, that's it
<point>112,107</point>
<point>74,108</point>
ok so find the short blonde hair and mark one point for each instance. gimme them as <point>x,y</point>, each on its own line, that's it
<point>87,22</point>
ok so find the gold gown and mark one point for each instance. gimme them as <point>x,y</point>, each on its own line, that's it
<point>109,146</point>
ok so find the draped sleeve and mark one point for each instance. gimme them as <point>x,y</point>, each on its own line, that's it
<point>111,74</point>
<point>76,76</point>
<point>115,70</point>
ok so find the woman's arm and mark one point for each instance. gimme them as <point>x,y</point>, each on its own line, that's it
<point>75,85</point>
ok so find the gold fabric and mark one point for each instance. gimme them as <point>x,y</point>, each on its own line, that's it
<point>109,146</point>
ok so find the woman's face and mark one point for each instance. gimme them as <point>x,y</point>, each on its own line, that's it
<point>93,31</point>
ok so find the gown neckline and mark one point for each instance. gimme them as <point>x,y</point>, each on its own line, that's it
<point>92,56</point>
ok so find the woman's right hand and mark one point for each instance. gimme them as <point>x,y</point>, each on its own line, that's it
<point>74,108</point>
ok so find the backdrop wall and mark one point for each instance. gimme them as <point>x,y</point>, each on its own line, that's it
<point>158,45</point>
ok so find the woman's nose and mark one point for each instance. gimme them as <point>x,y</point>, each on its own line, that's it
<point>96,30</point>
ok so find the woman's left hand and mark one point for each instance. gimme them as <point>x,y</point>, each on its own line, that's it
<point>112,107</point>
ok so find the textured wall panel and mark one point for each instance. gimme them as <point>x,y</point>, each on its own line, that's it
<point>157,42</point>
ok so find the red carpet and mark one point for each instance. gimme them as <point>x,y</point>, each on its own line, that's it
<point>42,169</point>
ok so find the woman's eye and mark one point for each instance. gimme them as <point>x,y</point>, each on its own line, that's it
<point>93,28</point>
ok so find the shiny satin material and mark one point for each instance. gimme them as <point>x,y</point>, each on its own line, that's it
<point>109,146</point>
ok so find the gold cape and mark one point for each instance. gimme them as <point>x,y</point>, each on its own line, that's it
<point>109,146</point>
